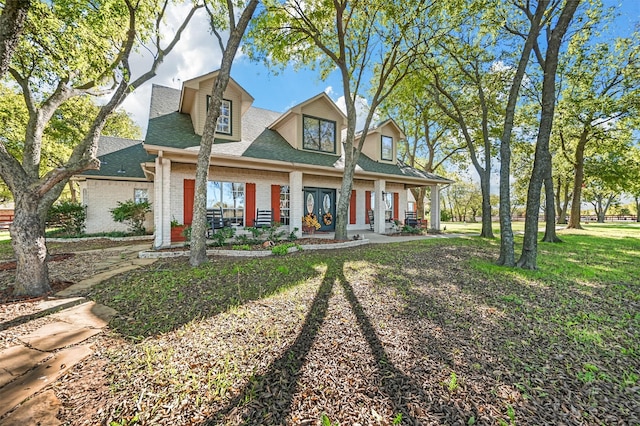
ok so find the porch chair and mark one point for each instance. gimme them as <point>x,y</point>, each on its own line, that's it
<point>264,218</point>
<point>215,219</point>
<point>370,216</point>
<point>411,219</point>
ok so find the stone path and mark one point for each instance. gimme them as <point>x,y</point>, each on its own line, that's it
<point>45,354</point>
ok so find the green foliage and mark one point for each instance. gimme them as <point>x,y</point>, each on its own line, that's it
<point>223,235</point>
<point>133,214</point>
<point>282,249</point>
<point>241,247</point>
<point>326,421</point>
<point>69,216</point>
<point>452,383</point>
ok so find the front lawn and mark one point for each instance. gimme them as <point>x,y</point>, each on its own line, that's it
<point>423,332</point>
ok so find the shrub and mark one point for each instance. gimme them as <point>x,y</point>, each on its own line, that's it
<point>221,236</point>
<point>69,216</point>
<point>133,214</point>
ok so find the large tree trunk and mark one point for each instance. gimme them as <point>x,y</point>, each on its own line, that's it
<point>419,193</point>
<point>487,230</point>
<point>198,249</point>
<point>562,201</point>
<point>578,165</point>
<point>638,209</point>
<point>28,241</point>
<point>542,160</point>
<point>550,235</point>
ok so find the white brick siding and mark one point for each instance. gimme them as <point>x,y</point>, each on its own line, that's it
<point>100,196</point>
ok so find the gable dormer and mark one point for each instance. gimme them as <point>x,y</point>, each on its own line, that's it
<point>381,143</point>
<point>314,125</point>
<point>195,97</point>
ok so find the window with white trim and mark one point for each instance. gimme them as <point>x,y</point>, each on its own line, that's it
<point>224,121</point>
<point>140,195</point>
<point>229,196</point>
<point>285,196</point>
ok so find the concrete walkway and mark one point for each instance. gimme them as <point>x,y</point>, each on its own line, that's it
<point>42,356</point>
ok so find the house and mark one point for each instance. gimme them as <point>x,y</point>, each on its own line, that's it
<point>291,163</point>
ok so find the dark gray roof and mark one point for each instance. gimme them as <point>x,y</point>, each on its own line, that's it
<point>122,163</point>
<point>109,144</point>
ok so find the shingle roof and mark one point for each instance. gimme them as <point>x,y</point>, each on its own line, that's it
<point>167,127</point>
<point>122,163</point>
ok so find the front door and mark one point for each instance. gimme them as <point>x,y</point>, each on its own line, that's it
<point>321,202</point>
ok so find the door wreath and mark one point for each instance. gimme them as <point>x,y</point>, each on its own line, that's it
<point>327,219</point>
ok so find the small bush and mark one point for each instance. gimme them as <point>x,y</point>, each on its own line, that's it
<point>282,249</point>
<point>69,216</point>
<point>221,236</point>
<point>133,214</point>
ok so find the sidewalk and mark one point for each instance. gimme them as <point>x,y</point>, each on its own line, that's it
<point>40,357</point>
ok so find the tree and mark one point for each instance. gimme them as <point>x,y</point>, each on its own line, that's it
<point>14,14</point>
<point>607,176</point>
<point>542,159</point>
<point>600,88</point>
<point>466,84</point>
<point>69,50</point>
<point>68,125</point>
<point>217,11</point>
<point>430,142</point>
<point>359,38</point>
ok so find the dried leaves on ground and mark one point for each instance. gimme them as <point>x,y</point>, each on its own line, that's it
<point>411,333</point>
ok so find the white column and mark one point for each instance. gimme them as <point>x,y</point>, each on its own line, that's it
<point>378,188</point>
<point>434,220</point>
<point>162,209</point>
<point>296,202</point>
<point>157,209</point>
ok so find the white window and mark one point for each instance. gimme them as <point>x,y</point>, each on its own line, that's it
<point>284,204</point>
<point>224,121</point>
<point>388,204</point>
<point>230,197</point>
<point>140,195</point>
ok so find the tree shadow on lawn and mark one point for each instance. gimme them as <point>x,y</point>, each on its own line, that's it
<point>268,398</point>
<point>523,342</point>
<point>170,293</point>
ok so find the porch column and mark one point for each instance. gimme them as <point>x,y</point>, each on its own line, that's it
<point>434,219</point>
<point>296,202</point>
<point>379,209</point>
<point>162,209</point>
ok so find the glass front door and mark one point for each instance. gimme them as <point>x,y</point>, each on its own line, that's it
<point>321,202</point>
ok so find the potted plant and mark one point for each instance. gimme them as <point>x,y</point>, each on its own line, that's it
<point>310,223</point>
<point>177,232</point>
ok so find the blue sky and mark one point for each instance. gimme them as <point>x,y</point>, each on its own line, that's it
<point>197,54</point>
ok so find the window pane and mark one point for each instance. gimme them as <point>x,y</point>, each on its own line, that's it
<point>284,204</point>
<point>140,195</point>
<point>224,121</point>
<point>327,136</point>
<point>311,136</point>
<point>387,148</point>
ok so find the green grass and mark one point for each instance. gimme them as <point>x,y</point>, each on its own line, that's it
<point>573,324</point>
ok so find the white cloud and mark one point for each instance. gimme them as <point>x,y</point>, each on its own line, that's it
<point>329,91</point>
<point>195,54</point>
<point>362,109</point>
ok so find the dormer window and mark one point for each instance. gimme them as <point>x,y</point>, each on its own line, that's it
<point>387,148</point>
<point>224,121</point>
<point>318,134</point>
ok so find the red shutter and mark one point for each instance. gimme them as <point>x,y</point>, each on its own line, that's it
<point>367,205</point>
<point>352,208</point>
<point>250,207</point>
<point>188,193</point>
<point>396,201</point>
<point>275,202</point>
